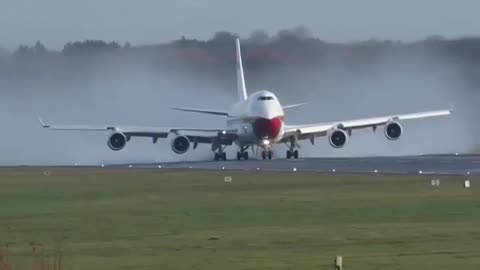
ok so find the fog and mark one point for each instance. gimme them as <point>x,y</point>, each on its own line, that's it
<point>126,91</point>
<point>336,95</point>
<point>112,95</point>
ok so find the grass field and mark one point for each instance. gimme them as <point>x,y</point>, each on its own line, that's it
<point>105,220</point>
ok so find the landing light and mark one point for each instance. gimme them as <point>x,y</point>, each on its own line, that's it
<point>266,142</point>
<point>224,132</point>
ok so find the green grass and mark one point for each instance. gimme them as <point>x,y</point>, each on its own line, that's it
<point>194,220</point>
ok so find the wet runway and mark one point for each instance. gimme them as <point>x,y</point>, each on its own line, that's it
<point>441,165</point>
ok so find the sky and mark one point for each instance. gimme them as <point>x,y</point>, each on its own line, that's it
<point>56,22</point>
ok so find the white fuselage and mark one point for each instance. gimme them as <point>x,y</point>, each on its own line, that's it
<point>259,119</point>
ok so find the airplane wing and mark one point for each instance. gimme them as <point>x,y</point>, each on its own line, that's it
<point>316,130</point>
<point>215,112</point>
<point>294,105</point>
<point>198,135</point>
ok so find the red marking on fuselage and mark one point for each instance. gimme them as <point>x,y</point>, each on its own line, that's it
<point>267,128</point>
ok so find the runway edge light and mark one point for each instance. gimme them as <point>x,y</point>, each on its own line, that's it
<point>338,263</point>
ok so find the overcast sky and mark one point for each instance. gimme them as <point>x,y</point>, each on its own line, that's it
<point>148,21</point>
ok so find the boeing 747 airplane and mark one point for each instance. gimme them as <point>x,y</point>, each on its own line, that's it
<point>255,120</point>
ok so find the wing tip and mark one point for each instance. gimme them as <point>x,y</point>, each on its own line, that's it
<point>44,125</point>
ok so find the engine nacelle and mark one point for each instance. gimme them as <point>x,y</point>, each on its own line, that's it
<point>117,141</point>
<point>338,138</point>
<point>393,130</point>
<point>180,144</point>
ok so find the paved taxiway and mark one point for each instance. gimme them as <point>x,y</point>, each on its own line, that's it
<point>441,164</point>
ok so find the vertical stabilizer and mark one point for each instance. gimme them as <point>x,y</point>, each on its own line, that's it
<point>241,89</point>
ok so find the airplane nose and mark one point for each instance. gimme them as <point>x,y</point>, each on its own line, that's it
<point>267,128</point>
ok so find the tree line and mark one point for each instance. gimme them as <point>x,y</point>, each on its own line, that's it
<point>291,47</point>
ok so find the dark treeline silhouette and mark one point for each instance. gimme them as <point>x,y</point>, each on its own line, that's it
<point>295,47</point>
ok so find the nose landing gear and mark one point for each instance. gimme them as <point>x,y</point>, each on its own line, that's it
<point>267,154</point>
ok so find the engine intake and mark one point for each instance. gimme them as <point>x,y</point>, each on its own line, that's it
<point>393,130</point>
<point>180,144</point>
<point>338,138</point>
<point>117,141</point>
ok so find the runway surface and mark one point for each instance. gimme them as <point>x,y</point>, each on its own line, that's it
<point>440,165</point>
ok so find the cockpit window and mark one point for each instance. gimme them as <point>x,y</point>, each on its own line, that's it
<point>265,98</point>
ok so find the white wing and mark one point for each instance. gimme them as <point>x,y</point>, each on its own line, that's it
<point>209,111</point>
<point>316,130</point>
<point>201,135</point>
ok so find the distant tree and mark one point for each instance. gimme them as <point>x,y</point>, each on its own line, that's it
<point>435,38</point>
<point>39,48</point>
<point>127,45</point>
<point>23,50</point>
<point>260,37</point>
<point>224,37</point>
<point>297,33</point>
<point>302,32</point>
<point>89,46</point>
<point>113,46</point>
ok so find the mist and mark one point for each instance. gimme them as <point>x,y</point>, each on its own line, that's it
<point>105,88</point>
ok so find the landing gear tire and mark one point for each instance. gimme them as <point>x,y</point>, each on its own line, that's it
<point>292,154</point>
<point>243,155</point>
<point>220,156</point>
<point>267,154</point>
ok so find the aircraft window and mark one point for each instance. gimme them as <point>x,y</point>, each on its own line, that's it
<point>265,98</point>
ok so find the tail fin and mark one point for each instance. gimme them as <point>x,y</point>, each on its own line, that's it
<point>241,89</point>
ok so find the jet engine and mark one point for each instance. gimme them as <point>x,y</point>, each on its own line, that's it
<point>393,130</point>
<point>338,138</point>
<point>180,144</point>
<point>117,141</point>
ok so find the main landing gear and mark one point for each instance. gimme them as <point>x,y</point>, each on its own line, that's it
<point>292,145</point>
<point>242,154</point>
<point>292,154</point>
<point>220,154</point>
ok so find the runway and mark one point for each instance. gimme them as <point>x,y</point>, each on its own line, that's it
<point>435,165</point>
